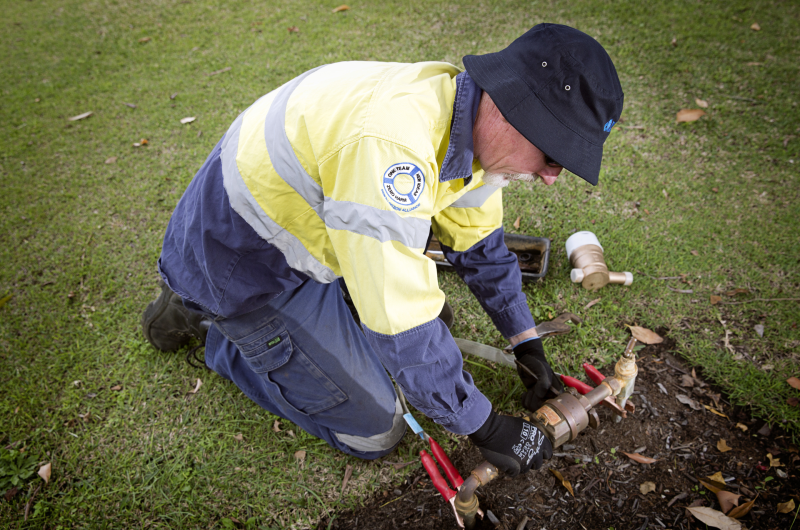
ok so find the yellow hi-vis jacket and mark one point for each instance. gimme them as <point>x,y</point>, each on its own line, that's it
<point>338,171</point>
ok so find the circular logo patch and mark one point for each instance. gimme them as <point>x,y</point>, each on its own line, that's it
<point>403,185</point>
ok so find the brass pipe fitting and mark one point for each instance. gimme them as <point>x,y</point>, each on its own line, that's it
<point>589,265</point>
<point>626,371</point>
<point>466,503</point>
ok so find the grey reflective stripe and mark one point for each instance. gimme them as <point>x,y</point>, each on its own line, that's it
<point>281,154</point>
<point>243,203</point>
<point>475,198</point>
<point>379,442</point>
<point>382,225</point>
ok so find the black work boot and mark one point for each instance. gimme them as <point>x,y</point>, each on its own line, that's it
<point>169,326</point>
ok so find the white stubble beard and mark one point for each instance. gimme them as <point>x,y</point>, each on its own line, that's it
<point>501,180</point>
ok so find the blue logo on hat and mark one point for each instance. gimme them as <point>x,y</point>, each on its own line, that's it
<point>609,125</point>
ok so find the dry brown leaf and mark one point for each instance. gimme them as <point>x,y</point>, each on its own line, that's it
<point>715,299</point>
<point>792,402</point>
<point>713,485</point>
<point>636,457</point>
<point>687,115</point>
<point>516,223</point>
<point>715,518</point>
<point>340,8</point>
<point>300,456</point>
<point>348,470</point>
<point>794,382</point>
<point>239,437</point>
<point>290,432</point>
<point>694,253</point>
<point>81,116</point>
<point>715,411</point>
<point>188,119</point>
<point>773,462</point>
<point>687,380</point>
<point>645,336</point>
<point>717,477</point>
<point>293,29</point>
<point>590,304</point>
<point>647,487</point>
<point>727,500</point>
<point>703,104</point>
<point>741,511</point>
<point>276,427</point>
<point>741,426</point>
<point>686,400</point>
<point>116,388</point>
<point>674,41</point>
<point>734,292</point>
<point>141,142</point>
<point>564,482</point>
<point>111,160</point>
<point>723,448</point>
<point>755,27</point>
<point>196,386</point>
<point>144,39</point>
<point>786,507</point>
<point>44,472</point>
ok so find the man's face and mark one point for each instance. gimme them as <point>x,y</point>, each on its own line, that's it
<point>506,155</point>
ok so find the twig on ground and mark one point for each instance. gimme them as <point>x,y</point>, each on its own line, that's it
<point>682,291</point>
<point>30,501</point>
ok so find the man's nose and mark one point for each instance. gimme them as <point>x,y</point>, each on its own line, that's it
<point>550,174</point>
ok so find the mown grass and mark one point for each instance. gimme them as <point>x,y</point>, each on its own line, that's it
<point>715,200</point>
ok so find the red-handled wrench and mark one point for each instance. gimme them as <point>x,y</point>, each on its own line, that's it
<point>438,481</point>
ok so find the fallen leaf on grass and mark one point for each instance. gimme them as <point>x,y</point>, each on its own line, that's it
<point>276,427</point>
<point>340,8</point>
<point>516,223</point>
<point>81,116</point>
<point>188,119</point>
<point>755,27</point>
<point>786,507</point>
<point>636,457</point>
<point>239,437</point>
<point>687,380</point>
<point>741,511</point>
<point>44,472</point>
<point>715,518</point>
<point>11,493</point>
<point>701,103</point>
<point>715,411</point>
<point>131,105</point>
<point>694,253</point>
<point>714,299</point>
<point>145,39</point>
<point>564,482</point>
<point>727,500</point>
<point>759,329</point>
<point>293,29</point>
<point>111,160</point>
<point>674,42</point>
<point>773,462</point>
<point>116,388</point>
<point>196,386</point>
<point>348,470</point>
<point>687,115</point>
<point>647,487</point>
<point>794,382</point>
<point>686,400</point>
<point>141,143</point>
<point>300,456</point>
<point>645,336</point>
<point>792,402</point>
<point>723,448</point>
<point>590,304</point>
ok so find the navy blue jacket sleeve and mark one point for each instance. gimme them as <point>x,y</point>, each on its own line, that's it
<point>492,273</point>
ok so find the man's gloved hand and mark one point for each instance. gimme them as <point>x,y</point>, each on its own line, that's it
<point>512,444</point>
<point>531,354</point>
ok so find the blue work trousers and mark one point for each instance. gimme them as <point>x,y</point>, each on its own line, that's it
<point>303,357</point>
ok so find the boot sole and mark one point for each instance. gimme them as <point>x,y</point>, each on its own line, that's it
<point>154,310</point>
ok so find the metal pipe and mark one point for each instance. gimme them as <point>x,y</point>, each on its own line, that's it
<point>466,501</point>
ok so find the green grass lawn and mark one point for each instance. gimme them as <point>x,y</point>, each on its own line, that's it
<point>712,202</point>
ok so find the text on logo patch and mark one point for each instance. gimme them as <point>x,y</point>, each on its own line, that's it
<point>402,186</point>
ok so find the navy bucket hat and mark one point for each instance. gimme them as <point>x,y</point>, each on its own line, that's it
<point>558,87</point>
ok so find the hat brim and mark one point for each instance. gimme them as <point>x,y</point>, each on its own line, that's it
<point>528,115</point>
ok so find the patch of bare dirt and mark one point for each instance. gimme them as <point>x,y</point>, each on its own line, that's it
<point>607,484</point>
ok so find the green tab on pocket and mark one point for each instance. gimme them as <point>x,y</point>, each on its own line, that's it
<point>273,342</point>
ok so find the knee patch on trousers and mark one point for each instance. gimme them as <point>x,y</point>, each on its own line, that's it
<point>378,442</point>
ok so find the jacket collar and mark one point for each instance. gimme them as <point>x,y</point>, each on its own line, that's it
<point>458,158</point>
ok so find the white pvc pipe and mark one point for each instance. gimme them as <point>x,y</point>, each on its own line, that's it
<point>578,239</point>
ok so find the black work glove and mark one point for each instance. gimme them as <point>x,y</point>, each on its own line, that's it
<point>531,354</point>
<point>512,444</point>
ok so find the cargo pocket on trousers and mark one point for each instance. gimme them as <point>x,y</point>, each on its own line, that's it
<point>302,384</point>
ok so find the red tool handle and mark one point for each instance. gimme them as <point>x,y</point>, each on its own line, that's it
<point>436,477</point>
<point>449,468</point>
<point>593,373</point>
<point>580,386</point>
